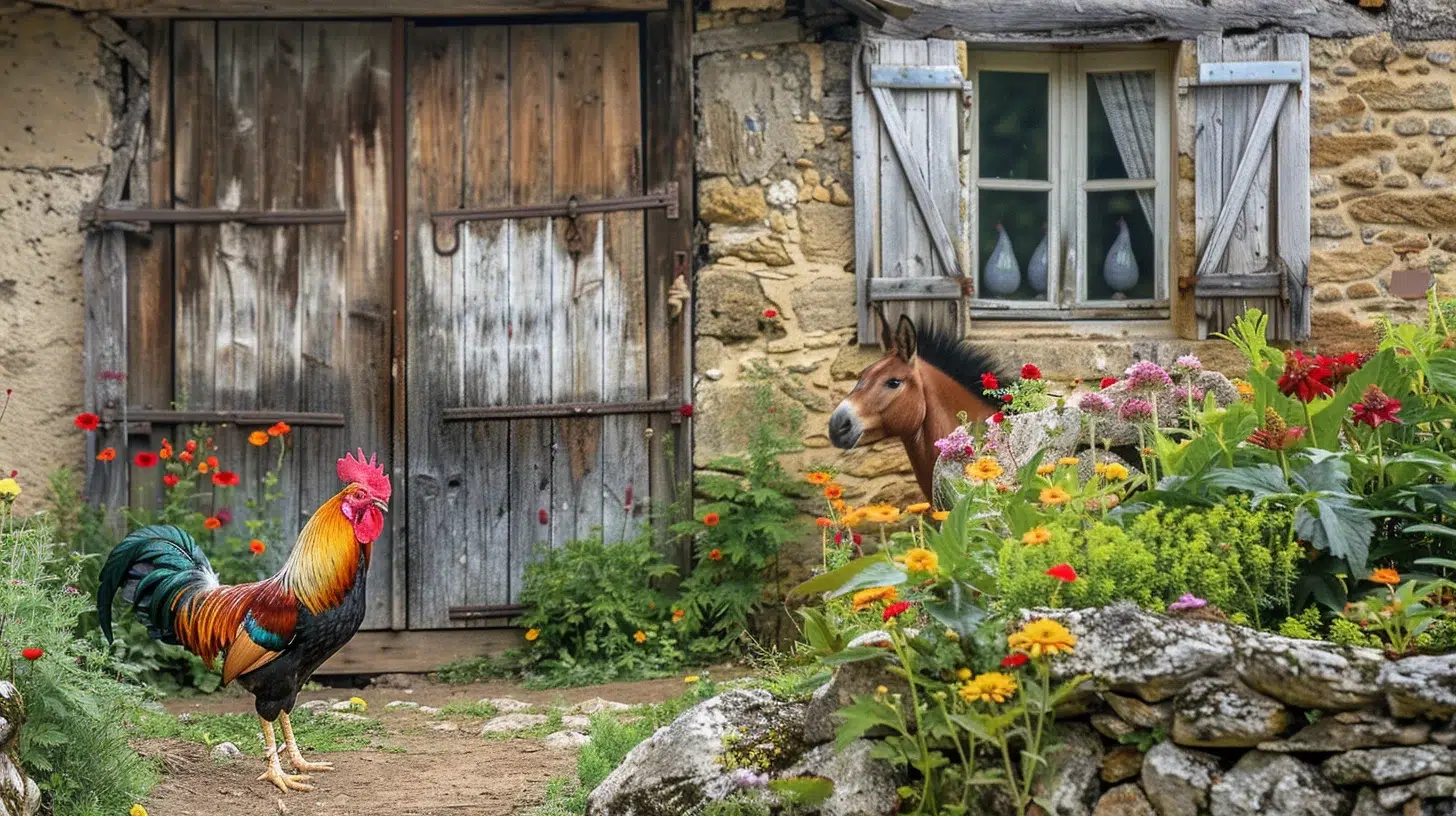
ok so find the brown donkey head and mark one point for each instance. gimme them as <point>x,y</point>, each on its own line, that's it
<point>890,398</point>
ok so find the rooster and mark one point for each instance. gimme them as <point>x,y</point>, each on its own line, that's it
<point>275,633</point>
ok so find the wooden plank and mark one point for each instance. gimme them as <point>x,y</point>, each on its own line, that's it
<point>416,652</point>
<point>929,288</point>
<point>485,345</point>
<point>943,175</point>
<point>1249,246</point>
<point>280,128</point>
<point>195,180</point>
<point>576,344</point>
<point>1258,72</point>
<point>150,289</point>
<point>1291,163</point>
<point>103,270</point>
<point>368,296</point>
<point>353,8</point>
<point>532,273</point>
<point>748,37</point>
<point>1255,154</point>
<point>865,143</point>
<point>1240,286</point>
<point>668,157</point>
<point>436,66</point>
<point>626,472</point>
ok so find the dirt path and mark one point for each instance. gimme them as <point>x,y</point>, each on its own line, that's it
<point>414,771</point>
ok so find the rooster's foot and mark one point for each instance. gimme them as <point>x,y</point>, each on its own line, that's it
<point>304,766</point>
<point>286,782</point>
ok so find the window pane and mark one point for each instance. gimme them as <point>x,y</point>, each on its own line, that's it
<point>1013,122</point>
<point>1120,267</point>
<point>1120,111</point>
<point>1023,215</point>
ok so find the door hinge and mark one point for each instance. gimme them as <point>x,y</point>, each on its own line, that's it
<point>447,222</point>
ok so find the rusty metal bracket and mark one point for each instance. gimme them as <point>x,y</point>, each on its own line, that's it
<point>168,417</point>
<point>484,611</point>
<point>447,222</point>
<point>560,409</point>
<point>104,216</point>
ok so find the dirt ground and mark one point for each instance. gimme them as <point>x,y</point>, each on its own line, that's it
<point>437,773</point>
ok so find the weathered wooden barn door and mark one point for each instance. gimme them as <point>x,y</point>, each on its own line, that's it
<point>285,317</point>
<point>530,397</point>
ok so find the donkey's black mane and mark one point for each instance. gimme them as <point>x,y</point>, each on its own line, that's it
<point>956,358</point>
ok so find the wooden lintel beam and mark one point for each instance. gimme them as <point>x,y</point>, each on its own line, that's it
<point>351,8</point>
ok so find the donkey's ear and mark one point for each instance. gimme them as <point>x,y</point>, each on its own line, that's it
<point>887,339</point>
<point>905,338</point>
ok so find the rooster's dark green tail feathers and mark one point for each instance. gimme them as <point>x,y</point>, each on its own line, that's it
<point>151,567</point>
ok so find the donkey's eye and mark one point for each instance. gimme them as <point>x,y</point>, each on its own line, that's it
<point>892,383</point>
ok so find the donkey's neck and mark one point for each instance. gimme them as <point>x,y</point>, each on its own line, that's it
<point>944,399</point>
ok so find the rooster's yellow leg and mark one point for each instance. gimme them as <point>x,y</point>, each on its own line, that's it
<point>284,782</point>
<point>299,763</point>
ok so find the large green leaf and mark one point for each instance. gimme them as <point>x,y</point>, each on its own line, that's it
<point>856,655</point>
<point>1324,471</point>
<point>959,611</point>
<point>834,579</point>
<point>1333,523</point>
<point>860,716</point>
<point>882,573</point>
<point>1259,480</point>
<point>1441,372</point>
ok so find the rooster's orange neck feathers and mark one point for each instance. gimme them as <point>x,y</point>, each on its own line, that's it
<point>321,568</point>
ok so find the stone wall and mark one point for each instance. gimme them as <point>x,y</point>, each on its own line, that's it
<point>776,217</point>
<point>54,92</point>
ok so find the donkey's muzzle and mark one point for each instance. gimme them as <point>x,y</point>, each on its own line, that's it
<point>845,429</point>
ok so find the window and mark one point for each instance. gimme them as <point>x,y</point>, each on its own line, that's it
<point>1070,180</point>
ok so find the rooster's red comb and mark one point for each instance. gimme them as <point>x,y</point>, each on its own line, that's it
<point>367,473</point>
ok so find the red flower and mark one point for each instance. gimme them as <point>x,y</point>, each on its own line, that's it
<point>212,462</point>
<point>715,554</point>
<point>1375,408</point>
<point>896,608</point>
<point>988,381</point>
<point>106,454</point>
<point>185,457</point>
<point>1063,572</point>
<point>225,478</point>
<point>87,421</point>
<point>770,313</point>
<point>1346,364</point>
<point>32,653</point>
<point>1108,382</point>
<point>145,459</point>
<point>542,516</point>
<point>1305,377</point>
<point>1030,372</point>
<point>256,547</point>
<point>856,538</point>
<point>1011,661</point>
<point>686,411</point>
<point>190,446</point>
<point>1007,398</point>
<point>711,520</point>
<point>838,538</point>
<point>170,480</point>
<point>998,417</point>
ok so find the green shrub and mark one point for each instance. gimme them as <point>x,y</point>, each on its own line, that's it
<point>1238,559</point>
<point>596,614</point>
<point>74,743</point>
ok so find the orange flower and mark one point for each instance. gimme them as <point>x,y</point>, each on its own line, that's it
<point>818,477</point>
<point>106,455</point>
<point>833,491</point>
<point>1054,496</point>
<point>258,438</point>
<point>185,456</point>
<point>201,467</point>
<point>212,462</point>
<point>166,451</point>
<point>639,636</point>
<point>257,547</point>
<point>532,634</point>
<point>711,520</point>
<point>715,554</point>
<point>1036,536</point>
<point>940,515</point>
<point>823,522</point>
<point>1386,576</point>
<point>279,429</point>
<point>918,507</point>
<point>677,615</point>
<point>212,522</point>
<point>865,597</point>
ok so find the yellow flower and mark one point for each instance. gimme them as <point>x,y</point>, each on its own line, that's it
<point>1043,636</point>
<point>963,675</point>
<point>839,505</point>
<point>358,704</point>
<point>137,810</point>
<point>532,634</point>
<point>921,560</point>
<point>639,636</point>
<point>9,490</point>
<point>258,438</point>
<point>692,678</point>
<point>1245,389</point>
<point>1099,468</point>
<point>853,517</point>
<point>1054,496</point>
<point>1114,472</point>
<point>918,507</point>
<point>882,690</point>
<point>940,515</point>
<point>984,469</point>
<point>991,687</point>
<point>1036,536</point>
<point>1045,470</point>
<point>881,513</point>
<point>1069,461</point>
<point>865,597</point>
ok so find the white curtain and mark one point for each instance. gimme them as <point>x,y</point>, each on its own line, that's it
<point>1127,98</point>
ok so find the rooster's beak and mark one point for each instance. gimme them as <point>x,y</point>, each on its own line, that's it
<point>383,506</point>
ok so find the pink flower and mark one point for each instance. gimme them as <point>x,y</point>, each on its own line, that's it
<point>1186,602</point>
<point>1095,403</point>
<point>1135,410</point>
<point>1147,375</point>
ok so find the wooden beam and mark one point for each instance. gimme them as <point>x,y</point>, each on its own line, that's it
<point>350,8</point>
<point>937,288</point>
<point>746,37</point>
<point>1099,21</point>
<point>383,652</point>
<point>1243,180</point>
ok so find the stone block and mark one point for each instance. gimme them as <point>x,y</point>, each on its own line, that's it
<point>826,304</point>
<point>1329,226</point>
<point>1429,210</point>
<point>1365,175</point>
<point>1345,265</point>
<point>827,230</point>
<point>729,304</point>
<point>721,202</point>
<point>1415,161</point>
<point>1386,95</point>
<point>1333,150</point>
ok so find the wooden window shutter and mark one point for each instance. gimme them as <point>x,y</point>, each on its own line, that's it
<point>908,102</point>
<point>1251,176</point>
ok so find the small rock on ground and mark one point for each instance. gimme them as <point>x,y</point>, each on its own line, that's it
<point>596,704</point>
<point>226,751</point>
<point>566,740</point>
<point>506,705</point>
<point>311,705</point>
<point>424,709</point>
<point>511,723</point>
<point>402,704</point>
<point>576,722</point>
<point>444,726</point>
<point>348,716</point>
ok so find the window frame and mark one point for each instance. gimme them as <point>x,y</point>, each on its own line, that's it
<point>1067,127</point>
